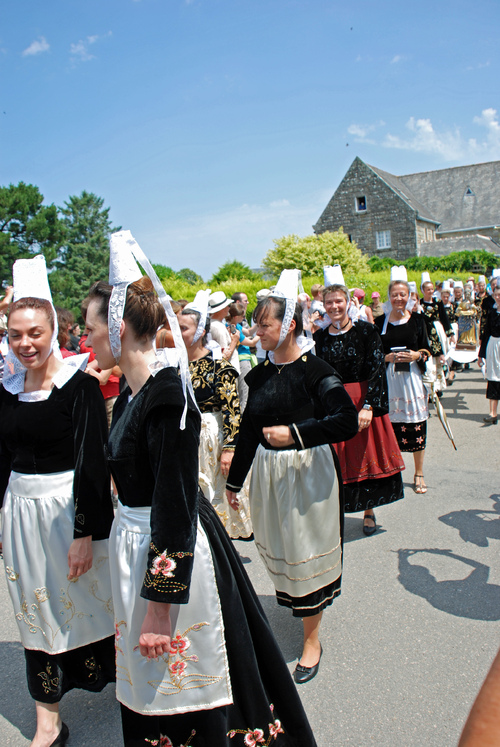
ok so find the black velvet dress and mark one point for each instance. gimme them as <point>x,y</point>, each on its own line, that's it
<point>155,464</point>
<point>490,349</point>
<point>371,462</point>
<point>296,498</point>
<point>65,432</point>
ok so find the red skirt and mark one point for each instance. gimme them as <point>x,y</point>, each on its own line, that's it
<point>373,453</point>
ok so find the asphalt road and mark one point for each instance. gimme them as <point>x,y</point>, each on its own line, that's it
<point>408,643</point>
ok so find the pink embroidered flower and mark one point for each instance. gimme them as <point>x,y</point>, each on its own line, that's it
<point>163,564</point>
<point>118,633</point>
<point>420,439</point>
<point>254,738</point>
<point>179,644</point>
<point>403,429</point>
<point>178,668</point>
<point>275,729</point>
<point>404,440</point>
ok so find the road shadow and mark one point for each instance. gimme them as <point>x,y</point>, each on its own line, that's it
<point>472,597</point>
<point>353,528</point>
<point>93,718</point>
<point>476,525</point>
<point>287,629</point>
<point>15,693</point>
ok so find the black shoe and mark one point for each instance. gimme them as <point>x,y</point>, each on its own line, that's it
<point>304,674</point>
<point>490,419</point>
<point>369,530</point>
<point>62,737</point>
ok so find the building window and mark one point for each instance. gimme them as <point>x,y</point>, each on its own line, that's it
<point>383,239</point>
<point>469,192</point>
<point>361,204</point>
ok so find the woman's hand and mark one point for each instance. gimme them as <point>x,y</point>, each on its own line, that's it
<point>156,631</point>
<point>364,419</point>
<point>278,436</point>
<point>232,499</point>
<point>79,557</point>
<point>225,461</point>
<point>480,362</point>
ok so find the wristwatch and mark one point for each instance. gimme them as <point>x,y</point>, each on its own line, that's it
<point>367,407</point>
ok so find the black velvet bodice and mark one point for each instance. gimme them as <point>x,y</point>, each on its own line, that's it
<point>491,329</point>
<point>154,463</point>
<point>306,395</point>
<point>357,356</point>
<point>412,335</point>
<point>67,431</point>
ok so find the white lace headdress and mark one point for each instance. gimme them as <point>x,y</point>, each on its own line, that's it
<point>30,281</point>
<point>125,252</point>
<point>288,288</point>
<point>398,272</point>
<point>199,304</point>
<point>332,275</point>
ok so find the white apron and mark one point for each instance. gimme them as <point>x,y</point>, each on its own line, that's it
<point>195,675</point>
<point>53,614</point>
<point>294,498</point>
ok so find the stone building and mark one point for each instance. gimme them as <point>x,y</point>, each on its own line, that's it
<point>430,213</point>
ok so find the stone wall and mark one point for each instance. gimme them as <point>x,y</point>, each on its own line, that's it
<point>385,211</point>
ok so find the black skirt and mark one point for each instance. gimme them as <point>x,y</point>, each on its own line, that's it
<point>411,436</point>
<point>361,496</point>
<point>493,390</point>
<point>265,698</point>
<point>89,667</point>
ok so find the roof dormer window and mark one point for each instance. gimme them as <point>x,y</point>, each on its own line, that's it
<point>469,192</point>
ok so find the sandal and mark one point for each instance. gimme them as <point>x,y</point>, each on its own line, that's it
<point>419,485</point>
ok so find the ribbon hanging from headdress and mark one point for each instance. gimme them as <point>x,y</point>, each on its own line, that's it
<point>125,252</point>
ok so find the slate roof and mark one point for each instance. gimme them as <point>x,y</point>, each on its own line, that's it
<point>397,185</point>
<point>442,247</point>
<point>463,197</point>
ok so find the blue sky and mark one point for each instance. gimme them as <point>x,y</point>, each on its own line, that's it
<point>212,127</point>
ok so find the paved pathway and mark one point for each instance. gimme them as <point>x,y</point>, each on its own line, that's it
<point>409,641</point>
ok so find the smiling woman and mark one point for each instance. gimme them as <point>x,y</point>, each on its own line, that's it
<point>57,510</point>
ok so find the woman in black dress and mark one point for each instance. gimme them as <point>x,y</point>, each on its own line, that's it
<point>408,408</point>
<point>371,462</point>
<point>57,509</point>
<point>296,408</point>
<point>197,663</point>
<point>490,353</point>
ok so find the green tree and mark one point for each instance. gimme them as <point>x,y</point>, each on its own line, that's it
<point>164,272</point>
<point>311,253</point>
<point>190,276</point>
<point>85,256</point>
<point>234,270</point>
<point>27,227</point>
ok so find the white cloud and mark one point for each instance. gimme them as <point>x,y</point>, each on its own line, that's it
<point>448,143</point>
<point>79,51</point>
<point>396,58</point>
<point>37,47</point>
<point>361,131</point>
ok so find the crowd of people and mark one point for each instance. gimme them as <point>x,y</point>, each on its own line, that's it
<point>131,456</point>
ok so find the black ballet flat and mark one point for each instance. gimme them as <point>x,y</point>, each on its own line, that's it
<point>62,737</point>
<point>305,674</point>
<point>369,530</point>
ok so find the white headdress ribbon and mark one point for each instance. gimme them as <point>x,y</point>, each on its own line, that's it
<point>124,249</point>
